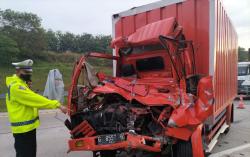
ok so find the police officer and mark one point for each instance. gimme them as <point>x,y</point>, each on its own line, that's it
<point>23,104</point>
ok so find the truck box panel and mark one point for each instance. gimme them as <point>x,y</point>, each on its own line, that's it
<point>206,23</point>
<point>169,11</point>
<point>225,68</point>
<point>128,25</point>
<point>154,15</point>
<point>140,20</point>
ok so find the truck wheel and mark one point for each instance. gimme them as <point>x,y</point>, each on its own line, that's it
<point>183,149</point>
<point>107,153</point>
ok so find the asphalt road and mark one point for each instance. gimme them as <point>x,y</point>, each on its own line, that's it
<point>237,142</point>
<point>52,137</point>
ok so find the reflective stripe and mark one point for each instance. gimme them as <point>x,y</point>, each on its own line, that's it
<point>25,122</point>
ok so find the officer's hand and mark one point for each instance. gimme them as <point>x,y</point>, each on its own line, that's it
<point>63,109</point>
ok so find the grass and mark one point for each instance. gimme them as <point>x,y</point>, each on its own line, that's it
<point>40,73</point>
<point>2,105</point>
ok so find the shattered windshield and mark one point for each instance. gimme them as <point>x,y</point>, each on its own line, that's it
<point>242,70</point>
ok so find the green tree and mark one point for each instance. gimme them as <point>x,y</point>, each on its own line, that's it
<point>8,50</point>
<point>103,43</point>
<point>66,42</point>
<point>242,54</point>
<point>86,43</point>
<point>25,29</point>
<point>52,41</point>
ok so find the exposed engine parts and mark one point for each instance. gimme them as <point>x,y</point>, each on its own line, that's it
<point>115,115</point>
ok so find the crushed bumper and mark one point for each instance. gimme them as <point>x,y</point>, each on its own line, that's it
<point>131,141</point>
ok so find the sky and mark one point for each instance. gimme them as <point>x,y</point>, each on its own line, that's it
<point>94,16</point>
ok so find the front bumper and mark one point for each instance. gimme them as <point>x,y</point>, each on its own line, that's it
<point>131,142</point>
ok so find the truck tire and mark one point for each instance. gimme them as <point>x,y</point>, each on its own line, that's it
<point>106,153</point>
<point>183,149</point>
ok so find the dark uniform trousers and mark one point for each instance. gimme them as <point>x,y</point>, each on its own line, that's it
<point>25,144</point>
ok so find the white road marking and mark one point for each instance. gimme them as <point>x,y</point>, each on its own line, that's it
<point>230,151</point>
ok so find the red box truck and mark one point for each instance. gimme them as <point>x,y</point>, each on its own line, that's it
<point>174,82</point>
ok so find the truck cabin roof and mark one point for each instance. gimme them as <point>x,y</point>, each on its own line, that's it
<point>149,34</point>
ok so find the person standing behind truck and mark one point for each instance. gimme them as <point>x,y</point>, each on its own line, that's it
<point>22,105</point>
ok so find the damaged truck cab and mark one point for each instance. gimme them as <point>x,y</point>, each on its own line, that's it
<point>173,87</point>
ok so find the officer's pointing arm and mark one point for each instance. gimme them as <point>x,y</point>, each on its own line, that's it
<point>25,96</point>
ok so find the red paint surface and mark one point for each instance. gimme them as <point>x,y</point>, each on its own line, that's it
<point>197,144</point>
<point>194,17</point>
<point>225,74</point>
<point>131,142</point>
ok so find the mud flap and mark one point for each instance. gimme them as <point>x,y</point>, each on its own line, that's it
<point>196,140</point>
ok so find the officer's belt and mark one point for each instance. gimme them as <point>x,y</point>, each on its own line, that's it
<point>25,122</point>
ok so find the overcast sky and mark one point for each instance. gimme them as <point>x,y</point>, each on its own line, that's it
<point>94,16</point>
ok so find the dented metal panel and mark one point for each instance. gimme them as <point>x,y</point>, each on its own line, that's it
<point>192,15</point>
<point>206,23</point>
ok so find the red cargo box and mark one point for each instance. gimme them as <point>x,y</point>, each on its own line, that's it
<point>206,23</point>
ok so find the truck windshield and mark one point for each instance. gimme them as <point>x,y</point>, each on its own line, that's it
<point>242,70</point>
<point>149,64</point>
<point>140,49</point>
<point>145,58</point>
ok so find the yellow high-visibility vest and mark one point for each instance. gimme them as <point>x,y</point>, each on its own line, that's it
<point>23,104</point>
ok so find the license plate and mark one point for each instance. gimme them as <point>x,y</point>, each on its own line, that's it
<point>110,139</point>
